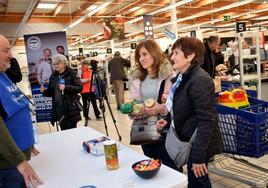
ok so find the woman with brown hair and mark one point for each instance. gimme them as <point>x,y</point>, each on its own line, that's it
<point>151,80</point>
<point>191,103</point>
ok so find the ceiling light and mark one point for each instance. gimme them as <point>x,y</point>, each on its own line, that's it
<point>161,10</point>
<point>46,6</point>
<point>134,9</point>
<point>92,7</point>
<point>88,15</point>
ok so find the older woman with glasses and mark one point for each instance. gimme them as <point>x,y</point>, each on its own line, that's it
<point>64,85</point>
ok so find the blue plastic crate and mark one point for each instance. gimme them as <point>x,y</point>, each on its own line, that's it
<point>245,132</point>
<point>230,85</point>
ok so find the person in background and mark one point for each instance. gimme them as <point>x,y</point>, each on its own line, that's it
<point>210,57</point>
<point>60,50</point>
<point>191,103</point>
<point>45,68</point>
<point>88,94</point>
<point>116,68</point>
<point>151,80</point>
<point>16,138</point>
<point>14,73</point>
<point>219,57</point>
<point>64,108</point>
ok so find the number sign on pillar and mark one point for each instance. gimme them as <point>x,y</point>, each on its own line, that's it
<point>148,27</point>
<point>240,27</point>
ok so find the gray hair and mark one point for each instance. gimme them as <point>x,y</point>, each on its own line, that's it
<point>59,58</point>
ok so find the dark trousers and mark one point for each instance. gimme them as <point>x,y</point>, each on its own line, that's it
<point>194,182</point>
<point>67,124</point>
<point>158,151</point>
<point>11,178</point>
<point>86,99</point>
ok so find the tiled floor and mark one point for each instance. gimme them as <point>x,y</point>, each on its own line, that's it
<point>123,123</point>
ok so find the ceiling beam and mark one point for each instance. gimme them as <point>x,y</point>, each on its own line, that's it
<point>31,7</point>
<point>83,8</point>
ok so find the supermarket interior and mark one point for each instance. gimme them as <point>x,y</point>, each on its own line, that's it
<point>117,93</point>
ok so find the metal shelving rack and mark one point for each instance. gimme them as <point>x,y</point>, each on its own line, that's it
<point>242,56</point>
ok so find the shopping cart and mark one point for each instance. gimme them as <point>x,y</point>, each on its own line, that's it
<point>245,134</point>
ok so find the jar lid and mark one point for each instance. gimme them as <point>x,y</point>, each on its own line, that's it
<point>109,142</point>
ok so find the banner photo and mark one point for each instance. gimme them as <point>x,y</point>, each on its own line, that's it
<point>40,49</point>
<point>148,27</point>
<point>113,28</point>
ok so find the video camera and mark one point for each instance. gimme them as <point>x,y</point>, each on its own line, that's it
<point>94,66</point>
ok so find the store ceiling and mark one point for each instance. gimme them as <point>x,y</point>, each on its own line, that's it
<point>83,19</point>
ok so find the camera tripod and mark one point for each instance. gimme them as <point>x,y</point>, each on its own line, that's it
<point>102,96</point>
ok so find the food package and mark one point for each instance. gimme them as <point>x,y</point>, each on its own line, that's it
<point>96,146</point>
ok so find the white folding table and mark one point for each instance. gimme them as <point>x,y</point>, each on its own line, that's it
<point>62,163</point>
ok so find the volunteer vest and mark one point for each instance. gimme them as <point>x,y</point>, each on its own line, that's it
<point>17,119</point>
<point>86,73</point>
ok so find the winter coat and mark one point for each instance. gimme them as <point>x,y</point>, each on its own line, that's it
<point>64,101</point>
<point>194,107</point>
<point>14,72</point>
<point>209,63</point>
<point>165,74</point>
<point>116,68</point>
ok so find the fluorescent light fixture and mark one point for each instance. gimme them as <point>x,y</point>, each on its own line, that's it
<point>134,9</point>
<point>258,11</point>
<point>261,18</point>
<point>88,15</point>
<point>46,5</point>
<point>200,14</point>
<point>92,7</point>
<point>161,10</point>
<point>261,23</point>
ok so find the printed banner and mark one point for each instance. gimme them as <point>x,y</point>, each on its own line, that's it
<point>40,49</point>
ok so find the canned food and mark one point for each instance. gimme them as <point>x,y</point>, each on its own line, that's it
<point>111,157</point>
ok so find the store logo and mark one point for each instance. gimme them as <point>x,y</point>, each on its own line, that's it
<point>34,42</point>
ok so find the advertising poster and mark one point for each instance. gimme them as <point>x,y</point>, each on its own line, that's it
<point>40,49</point>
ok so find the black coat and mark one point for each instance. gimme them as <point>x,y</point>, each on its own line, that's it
<point>116,68</point>
<point>73,87</point>
<point>194,107</point>
<point>209,63</point>
<point>14,73</point>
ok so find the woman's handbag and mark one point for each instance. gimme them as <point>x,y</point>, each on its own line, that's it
<point>143,131</point>
<point>178,150</point>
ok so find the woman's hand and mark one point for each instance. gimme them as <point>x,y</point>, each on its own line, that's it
<point>164,98</point>
<point>161,124</point>
<point>155,109</point>
<point>62,86</point>
<point>199,170</point>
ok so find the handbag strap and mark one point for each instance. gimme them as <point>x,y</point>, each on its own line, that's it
<point>192,139</point>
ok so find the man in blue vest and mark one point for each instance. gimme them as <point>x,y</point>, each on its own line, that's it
<point>16,132</point>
